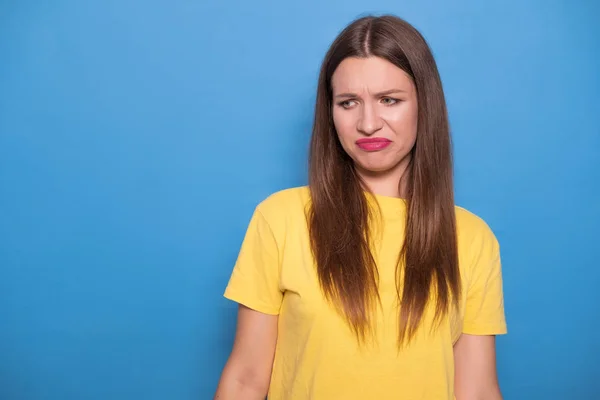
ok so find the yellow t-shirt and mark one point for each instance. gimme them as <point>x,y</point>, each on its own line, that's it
<point>317,356</point>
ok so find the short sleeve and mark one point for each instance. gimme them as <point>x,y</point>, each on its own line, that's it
<point>254,281</point>
<point>484,311</point>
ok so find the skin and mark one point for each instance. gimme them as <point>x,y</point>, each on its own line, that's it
<point>371,98</point>
<point>475,374</point>
<point>374,98</point>
<point>247,373</point>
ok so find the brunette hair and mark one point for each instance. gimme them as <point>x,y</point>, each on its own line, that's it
<point>339,215</point>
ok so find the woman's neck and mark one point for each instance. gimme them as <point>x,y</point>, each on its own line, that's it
<point>389,183</point>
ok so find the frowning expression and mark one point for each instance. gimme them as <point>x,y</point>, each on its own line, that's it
<point>375,113</point>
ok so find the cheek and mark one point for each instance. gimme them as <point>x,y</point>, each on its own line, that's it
<point>403,122</point>
<point>344,126</point>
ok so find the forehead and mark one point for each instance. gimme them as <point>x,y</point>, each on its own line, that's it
<point>373,74</point>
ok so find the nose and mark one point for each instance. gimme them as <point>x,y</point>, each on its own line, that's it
<point>370,121</point>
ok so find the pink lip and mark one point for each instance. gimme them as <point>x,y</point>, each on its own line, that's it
<point>373,144</point>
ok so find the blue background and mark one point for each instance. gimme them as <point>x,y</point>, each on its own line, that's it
<point>136,137</point>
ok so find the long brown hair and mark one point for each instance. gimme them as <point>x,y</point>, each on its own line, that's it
<point>339,216</point>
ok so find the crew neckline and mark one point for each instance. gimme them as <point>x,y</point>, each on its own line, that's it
<point>391,208</point>
<point>386,199</point>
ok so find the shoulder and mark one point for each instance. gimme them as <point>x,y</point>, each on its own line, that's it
<point>285,204</point>
<point>473,232</point>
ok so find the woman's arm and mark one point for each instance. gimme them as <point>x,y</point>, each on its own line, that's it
<point>247,374</point>
<point>475,368</point>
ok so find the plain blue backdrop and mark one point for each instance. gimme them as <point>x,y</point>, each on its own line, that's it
<point>136,137</point>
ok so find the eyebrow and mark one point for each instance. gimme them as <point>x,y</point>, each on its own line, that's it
<point>384,93</point>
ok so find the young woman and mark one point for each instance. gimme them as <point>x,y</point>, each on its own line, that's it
<point>369,283</point>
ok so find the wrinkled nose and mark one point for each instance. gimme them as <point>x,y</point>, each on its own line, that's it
<point>370,121</point>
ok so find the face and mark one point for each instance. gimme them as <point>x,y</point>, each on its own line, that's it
<point>375,115</point>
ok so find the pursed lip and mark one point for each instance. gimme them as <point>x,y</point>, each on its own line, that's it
<point>373,144</point>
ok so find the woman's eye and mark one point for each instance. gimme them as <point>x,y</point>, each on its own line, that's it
<point>347,103</point>
<point>388,101</point>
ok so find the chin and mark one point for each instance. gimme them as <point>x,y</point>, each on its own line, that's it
<point>375,168</point>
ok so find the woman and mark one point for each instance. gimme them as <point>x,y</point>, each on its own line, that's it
<point>369,283</point>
